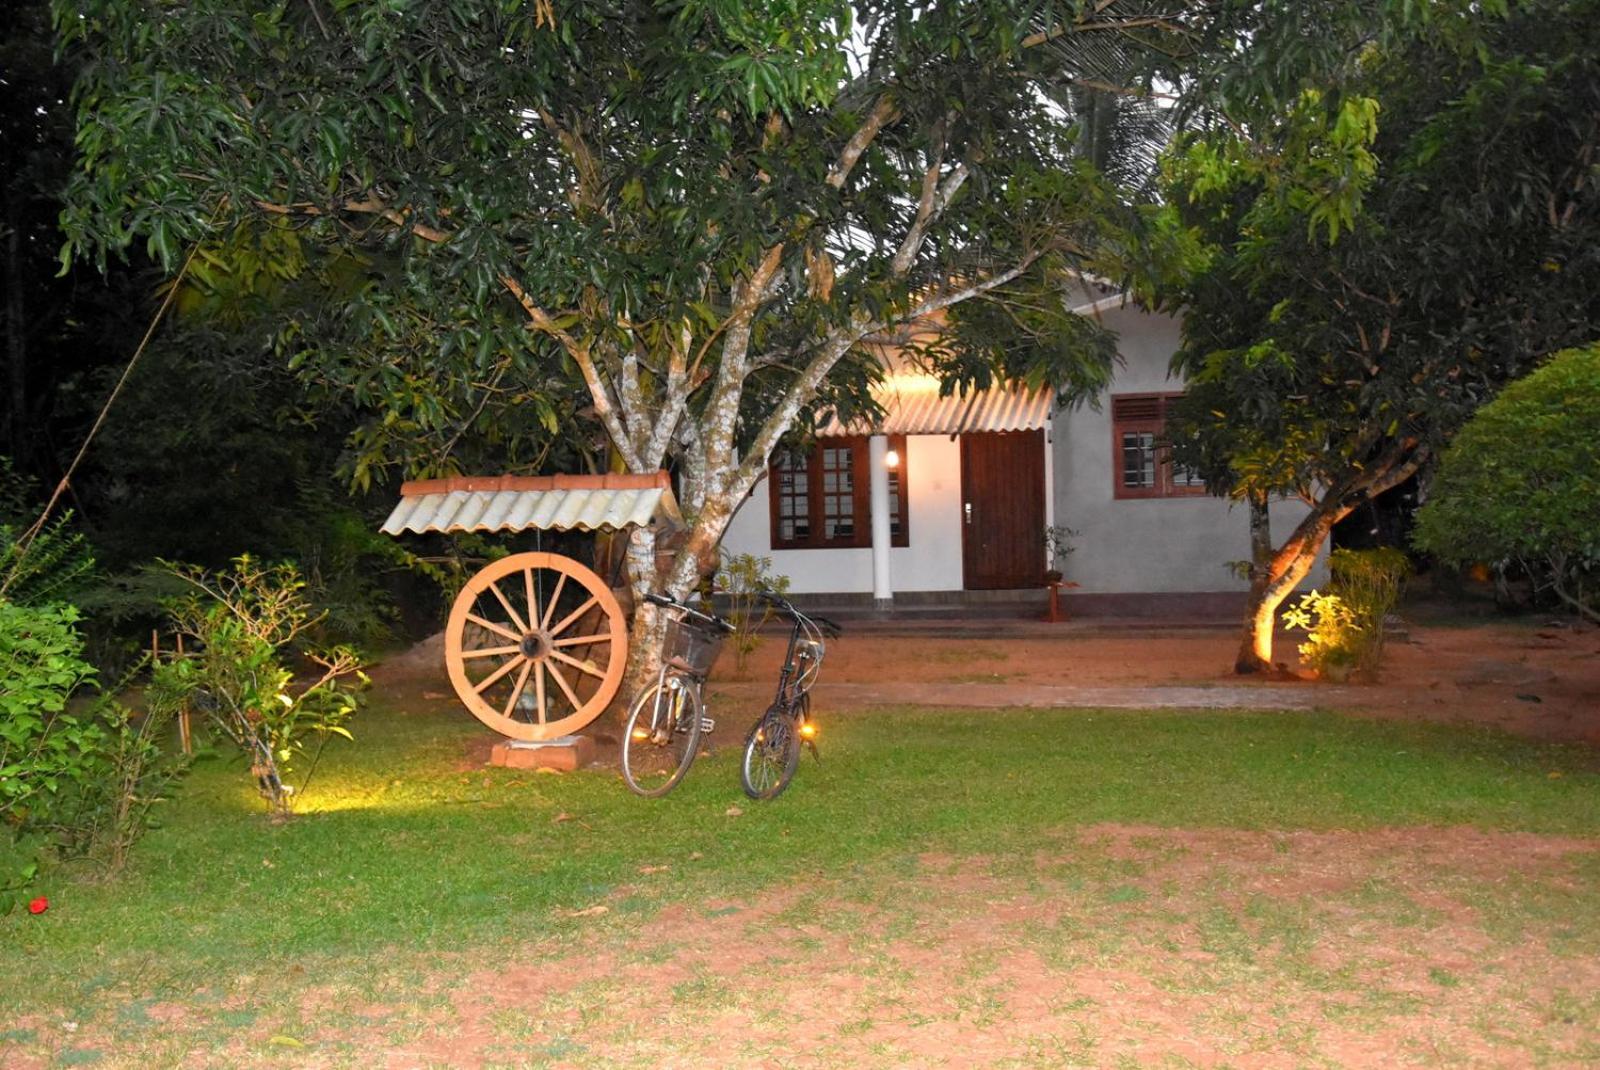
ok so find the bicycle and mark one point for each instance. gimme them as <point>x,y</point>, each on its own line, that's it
<point>772,749</point>
<point>662,735</point>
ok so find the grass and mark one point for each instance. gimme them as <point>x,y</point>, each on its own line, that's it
<point>403,854</point>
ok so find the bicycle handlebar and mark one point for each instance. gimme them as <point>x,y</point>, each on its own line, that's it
<point>672,603</point>
<point>779,602</point>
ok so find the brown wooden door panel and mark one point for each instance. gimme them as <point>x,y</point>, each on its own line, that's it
<point>1002,506</point>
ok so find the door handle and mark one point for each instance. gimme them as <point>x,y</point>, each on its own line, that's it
<point>966,511</point>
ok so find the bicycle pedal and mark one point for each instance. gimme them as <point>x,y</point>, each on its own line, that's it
<point>707,724</point>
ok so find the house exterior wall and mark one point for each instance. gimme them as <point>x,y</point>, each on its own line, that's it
<point>932,561</point>
<point>1175,545</point>
<point>1145,545</point>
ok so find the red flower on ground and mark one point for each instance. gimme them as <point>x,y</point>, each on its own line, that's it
<point>39,905</point>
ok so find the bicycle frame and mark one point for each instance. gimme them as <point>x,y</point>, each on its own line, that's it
<point>671,713</point>
<point>793,681</point>
<point>772,749</point>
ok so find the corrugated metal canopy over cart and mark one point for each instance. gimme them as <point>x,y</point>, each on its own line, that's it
<point>536,643</point>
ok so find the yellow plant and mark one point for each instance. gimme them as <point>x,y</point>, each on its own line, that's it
<point>1335,638</point>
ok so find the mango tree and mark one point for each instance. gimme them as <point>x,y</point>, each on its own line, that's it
<point>696,214</point>
<point>1380,255</point>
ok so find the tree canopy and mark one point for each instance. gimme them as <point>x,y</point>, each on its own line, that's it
<point>1378,262</point>
<point>653,234</point>
<point>1520,485</point>
<point>664,231</point>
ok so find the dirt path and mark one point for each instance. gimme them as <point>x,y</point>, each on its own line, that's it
<point>1114,946</point>
<point>1538,682</point>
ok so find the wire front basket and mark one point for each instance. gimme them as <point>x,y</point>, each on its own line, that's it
<point>692,646</point>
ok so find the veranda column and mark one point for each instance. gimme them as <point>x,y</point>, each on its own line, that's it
<point>877,458</point>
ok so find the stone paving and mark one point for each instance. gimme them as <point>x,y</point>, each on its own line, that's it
<point>996,695</point>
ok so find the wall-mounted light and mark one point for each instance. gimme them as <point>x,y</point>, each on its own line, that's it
<point>891,460</point>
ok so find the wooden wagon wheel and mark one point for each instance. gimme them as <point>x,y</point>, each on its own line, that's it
<point>536,646</point>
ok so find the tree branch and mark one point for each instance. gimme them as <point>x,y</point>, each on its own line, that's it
<point>882,114</point>
<point>370,206</point>
<point>605,405</point>
<point>677,392</point>
<point>954,297</point>
<point>933,198</point>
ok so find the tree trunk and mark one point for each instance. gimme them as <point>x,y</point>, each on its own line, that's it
<point>1577,602</point>
<point>1251,658</point>
<point>648,625</point>
<point>696,559</point>
<point>1271,584</point>
<point>1290,564</point>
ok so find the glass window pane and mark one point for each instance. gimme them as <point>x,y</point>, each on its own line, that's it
<point>1138,459</point>
<point>896,513</point>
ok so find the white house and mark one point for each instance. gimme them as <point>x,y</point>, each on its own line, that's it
<point>948,497</point>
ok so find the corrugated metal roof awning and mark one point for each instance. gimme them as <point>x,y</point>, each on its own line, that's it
<point>912,406</point>
<point>522,503</point>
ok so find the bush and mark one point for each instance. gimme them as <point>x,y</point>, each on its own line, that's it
<point>45,751</point>
<point>1345,626</point>
<point>1369,582</point>
<point>79,774</point>
<point>242,623</point>
<point>1332,633</point>
<point>1520,486</point>
<point>743,578</point>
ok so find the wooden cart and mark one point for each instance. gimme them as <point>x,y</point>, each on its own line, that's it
<point>536,643</point>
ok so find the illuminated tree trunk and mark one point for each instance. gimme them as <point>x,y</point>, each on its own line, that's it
<point>1250,659</point>
<point>1274,580</point>
<point>1292,562</point>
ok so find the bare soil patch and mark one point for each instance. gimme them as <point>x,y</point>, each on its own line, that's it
<point>1540,682</point>
<point>1116,945</point>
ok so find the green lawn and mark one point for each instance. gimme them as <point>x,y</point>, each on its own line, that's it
<point>405,854</point>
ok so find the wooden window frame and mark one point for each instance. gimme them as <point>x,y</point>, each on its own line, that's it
<point>1153,421</point>
<point>861,493</point>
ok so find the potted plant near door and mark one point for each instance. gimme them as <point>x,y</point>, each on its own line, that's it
<point>1057,545</point>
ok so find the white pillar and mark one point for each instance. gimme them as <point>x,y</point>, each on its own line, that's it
<point>1049,475</point>
<point>878,481</point>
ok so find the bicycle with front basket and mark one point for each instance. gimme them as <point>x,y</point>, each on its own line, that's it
<point>663,732</point>
<point>772,749</point>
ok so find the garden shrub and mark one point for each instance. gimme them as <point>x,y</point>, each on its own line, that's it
<point>49,569</point>
<point>1369,583</point>
<point>1520,486</point>
<point>79,774</point>
<point>1345,624</point>
<point>742,579</point>
<point>243,624</point>
<point>1332,633</point>
<point>45,751</point>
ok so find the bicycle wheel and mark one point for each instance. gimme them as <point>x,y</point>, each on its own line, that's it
<point>661,736</point>
<point>771,752</point>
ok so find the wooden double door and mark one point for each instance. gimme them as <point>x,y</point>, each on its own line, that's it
<point>1002,510</point>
